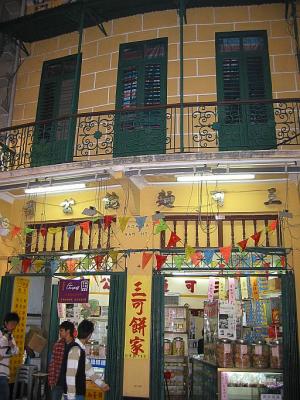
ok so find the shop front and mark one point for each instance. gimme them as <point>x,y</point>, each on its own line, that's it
<point>229,332</point>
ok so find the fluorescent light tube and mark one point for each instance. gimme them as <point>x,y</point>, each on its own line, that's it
<point>55,188</point>
<point>213,178</point>
<point>66,257</point>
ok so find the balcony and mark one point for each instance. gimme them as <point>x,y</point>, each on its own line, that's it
<point>174,128</point>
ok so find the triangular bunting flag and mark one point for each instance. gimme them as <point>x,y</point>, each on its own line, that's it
<point>272,225</point>
<point>54,265</point>
<point>256,237</point>
<point>173,240</point>
<point>226,253</point>
<point>189,250</point>
<point>243,244</point>
<point>146,257</point>
<point>70,229</point>
<point>71,265</point>
<point>283,261</point>
<point>178,260</point>
<point>160,260</point>
<point>196,258</point>
<point>26,264</point>
<point>15,231</point>
<point>43,231</point>
<point>107,220</point>
<point>85,226</point>
<point>140,221</point>
<point>38,264</point>
<point>208,255</point>
<point>98,261</point>
<point>123,221</point>
<point>28,230</point>
<point>85,263</point>
<point>113,255</point>
<point>53,231</point>
<point>162,226</point>
<point>15,262</point>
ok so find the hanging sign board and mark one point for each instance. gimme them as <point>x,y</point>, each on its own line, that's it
<point>73,291</point>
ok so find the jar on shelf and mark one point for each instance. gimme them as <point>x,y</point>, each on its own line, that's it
<point>260,354</point>
<point>167,347</point>
<point>242,354</point>
<point>178,346</point>
<point>276,354</point>
<point>224,353</point>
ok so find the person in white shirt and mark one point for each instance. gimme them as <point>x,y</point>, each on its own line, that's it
<point>8,348</point>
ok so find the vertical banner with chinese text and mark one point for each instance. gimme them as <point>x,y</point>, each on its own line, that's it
<point>138,317</point>
<point>136,382</point>
<point>19,305</point>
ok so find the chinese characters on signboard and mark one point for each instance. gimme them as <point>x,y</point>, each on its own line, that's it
<point>138,318</point>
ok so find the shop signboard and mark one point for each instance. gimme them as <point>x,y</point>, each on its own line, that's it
<point>73,291</point>
<point>137,336</point>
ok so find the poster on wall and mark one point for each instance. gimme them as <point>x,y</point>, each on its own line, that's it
<point>73,291</point>
<point>227,321</point>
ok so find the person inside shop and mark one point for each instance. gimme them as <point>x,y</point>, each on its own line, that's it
<point>55,378</point>
<point>201,344</point>
<point>77,366</point>
<point>8,348</point>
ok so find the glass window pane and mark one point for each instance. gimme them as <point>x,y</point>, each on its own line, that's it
<point>253,43</point>
<point>229,44</point>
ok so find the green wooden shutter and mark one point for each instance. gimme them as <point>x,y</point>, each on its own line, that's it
<point>115,336</point>
<point>142,78</point>
<point>157,338</point>
<point>6,292</point>
<point>243,74</point>
<point>291,370</point>
<point>51,140</point>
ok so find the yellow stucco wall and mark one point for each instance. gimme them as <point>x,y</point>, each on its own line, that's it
<point>100,55</point>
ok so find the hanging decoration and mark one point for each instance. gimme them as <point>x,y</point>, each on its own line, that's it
<point>178,261</point>
<point>71,265</point>
<point>54,265</point>
<point>243,244</point>
<point>43,231</point>
<point>160,260</point>
<point>85,226</point>
<point>272,226</point>
<point>15,262</point>
<point>113,255</point>
<point>28,230</point>
<point>38,264</point>
<point>53,230</point>
<point>173,240</point>
<point>29,208</point>
<point>196,258</point>
<point>226,253</point>
<point>208,255</point>
<point>140,221</point>
<point>146,257</point>
<point>162,226</point>
<point>123,221</point>
<point>26,264</point>
<point>98,261</point>
<point>15,231</point>
<point>256,237</point>
<point>70,229</point>
<point>189,250</point>
<point>107,220</point>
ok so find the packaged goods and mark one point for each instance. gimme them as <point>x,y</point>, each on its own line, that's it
<point>260,355</point>
<point>178,346</point>
<point>242,354</point>
<point>224,354</point>
<point>276,354</point>
<point>167,347</point>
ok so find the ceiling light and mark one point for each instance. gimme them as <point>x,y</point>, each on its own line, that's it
<point>213,178</point>
<point>55,188</point>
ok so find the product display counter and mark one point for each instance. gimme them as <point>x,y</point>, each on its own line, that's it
<point>212,383</point>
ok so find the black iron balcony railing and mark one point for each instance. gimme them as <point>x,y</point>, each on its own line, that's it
<point>207,127</point>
